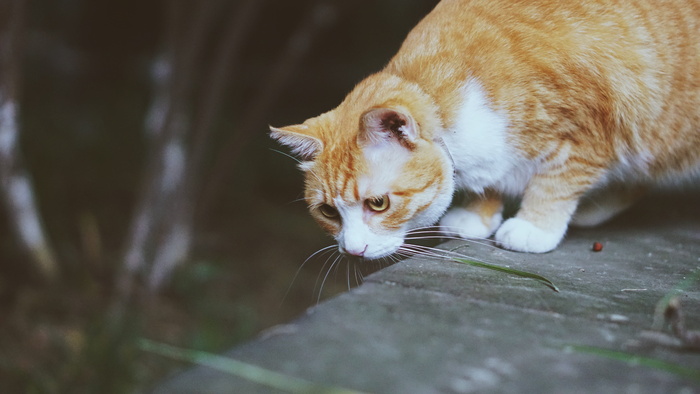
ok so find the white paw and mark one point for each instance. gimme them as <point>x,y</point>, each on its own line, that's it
<point>468,224</point>
<point>523,236</point>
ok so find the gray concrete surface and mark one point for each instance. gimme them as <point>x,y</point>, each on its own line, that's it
<point>432,326</point>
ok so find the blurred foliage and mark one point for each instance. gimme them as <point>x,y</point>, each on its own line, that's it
<point>84,97</point>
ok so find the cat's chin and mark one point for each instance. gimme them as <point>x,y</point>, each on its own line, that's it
<point>377,256</point>
<point>365,260</point>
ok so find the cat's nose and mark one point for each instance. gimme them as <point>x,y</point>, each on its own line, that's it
<point>358,251</point>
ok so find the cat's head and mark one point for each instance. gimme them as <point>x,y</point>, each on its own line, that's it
<point>373,172</point>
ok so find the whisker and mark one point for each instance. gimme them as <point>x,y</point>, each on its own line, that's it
<point>419,237</point>
<point>438,228</point>
<point>323,268</point>
<point>359,275</point>
<point>301,199</point>
<point>391,259</point>
<point>438,253</point>
<point>319,252</point>
<point>335,259</point>
<point>445,232</point>
<point>357,282</point>
<point>286,154</point>
<point>414,250</point>
<point>488,244</point>
<point>385,261</point>
<point>318,178</point>
<point>333,265</point>
<point>336,267</point>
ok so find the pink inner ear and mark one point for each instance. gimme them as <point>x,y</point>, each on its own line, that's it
<point>385,124</point>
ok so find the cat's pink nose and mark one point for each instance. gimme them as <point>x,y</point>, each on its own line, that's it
<point>358,252</point>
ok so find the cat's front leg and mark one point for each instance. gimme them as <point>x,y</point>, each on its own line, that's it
<point>546,209</point>
<point>479,219</point>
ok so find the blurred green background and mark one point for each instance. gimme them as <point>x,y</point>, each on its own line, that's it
<point>85,91</point>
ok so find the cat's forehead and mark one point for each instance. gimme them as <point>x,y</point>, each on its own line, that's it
<point>334,173</point>
<point>355,174</point>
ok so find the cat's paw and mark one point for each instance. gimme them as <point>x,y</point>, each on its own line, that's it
<point>522,236</point>
<point>468,224</point>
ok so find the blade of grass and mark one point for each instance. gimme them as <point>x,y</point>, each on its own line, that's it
<point>632,359</point>
<point>243,370</point>
<point>522,274</point>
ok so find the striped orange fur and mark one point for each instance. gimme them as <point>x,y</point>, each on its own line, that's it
<point>575,106</point>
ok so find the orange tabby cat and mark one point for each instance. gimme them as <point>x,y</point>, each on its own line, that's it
<point>574,105</point>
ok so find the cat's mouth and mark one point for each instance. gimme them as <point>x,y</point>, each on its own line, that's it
<point>378,248</point>
<point>365,256</point>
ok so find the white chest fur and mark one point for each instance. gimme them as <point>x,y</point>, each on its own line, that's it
<point>478,143</point>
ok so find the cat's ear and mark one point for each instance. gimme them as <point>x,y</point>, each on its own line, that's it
<point>299,139</point>
<point>380,125</point>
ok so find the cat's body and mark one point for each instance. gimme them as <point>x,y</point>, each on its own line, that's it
<point>575,106</point>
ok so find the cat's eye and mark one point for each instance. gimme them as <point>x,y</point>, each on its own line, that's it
<point>378,204</point>
<point>328,211</point>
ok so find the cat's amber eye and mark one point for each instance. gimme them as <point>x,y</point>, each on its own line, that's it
<point>328,211</point>
<point>378,204</point>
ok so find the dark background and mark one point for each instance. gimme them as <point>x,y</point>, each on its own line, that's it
<point>85,89</point>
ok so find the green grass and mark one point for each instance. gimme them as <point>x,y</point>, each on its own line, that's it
<point>510,271</point>
<point>632,359</point>
<point>250,372</point>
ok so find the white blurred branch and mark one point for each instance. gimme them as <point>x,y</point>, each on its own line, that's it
<point>187,96</point>
<point>161,234</point>
<point>178,227</point>
<point>15,182</point>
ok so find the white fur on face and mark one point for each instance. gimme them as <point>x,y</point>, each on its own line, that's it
<point>361,232</point>
<point>357,236</point>
<point>385,164</point>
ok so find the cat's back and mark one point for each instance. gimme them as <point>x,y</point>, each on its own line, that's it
<point>664,24</point>
<point>512,37</point>
<point>630,68</point>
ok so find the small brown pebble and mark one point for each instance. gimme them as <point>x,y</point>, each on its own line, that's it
<point>597,246</point>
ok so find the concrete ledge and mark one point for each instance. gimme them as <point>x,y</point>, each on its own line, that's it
<point>431,326</point>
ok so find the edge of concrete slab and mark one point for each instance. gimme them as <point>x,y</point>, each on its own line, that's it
<point>429,326</point>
